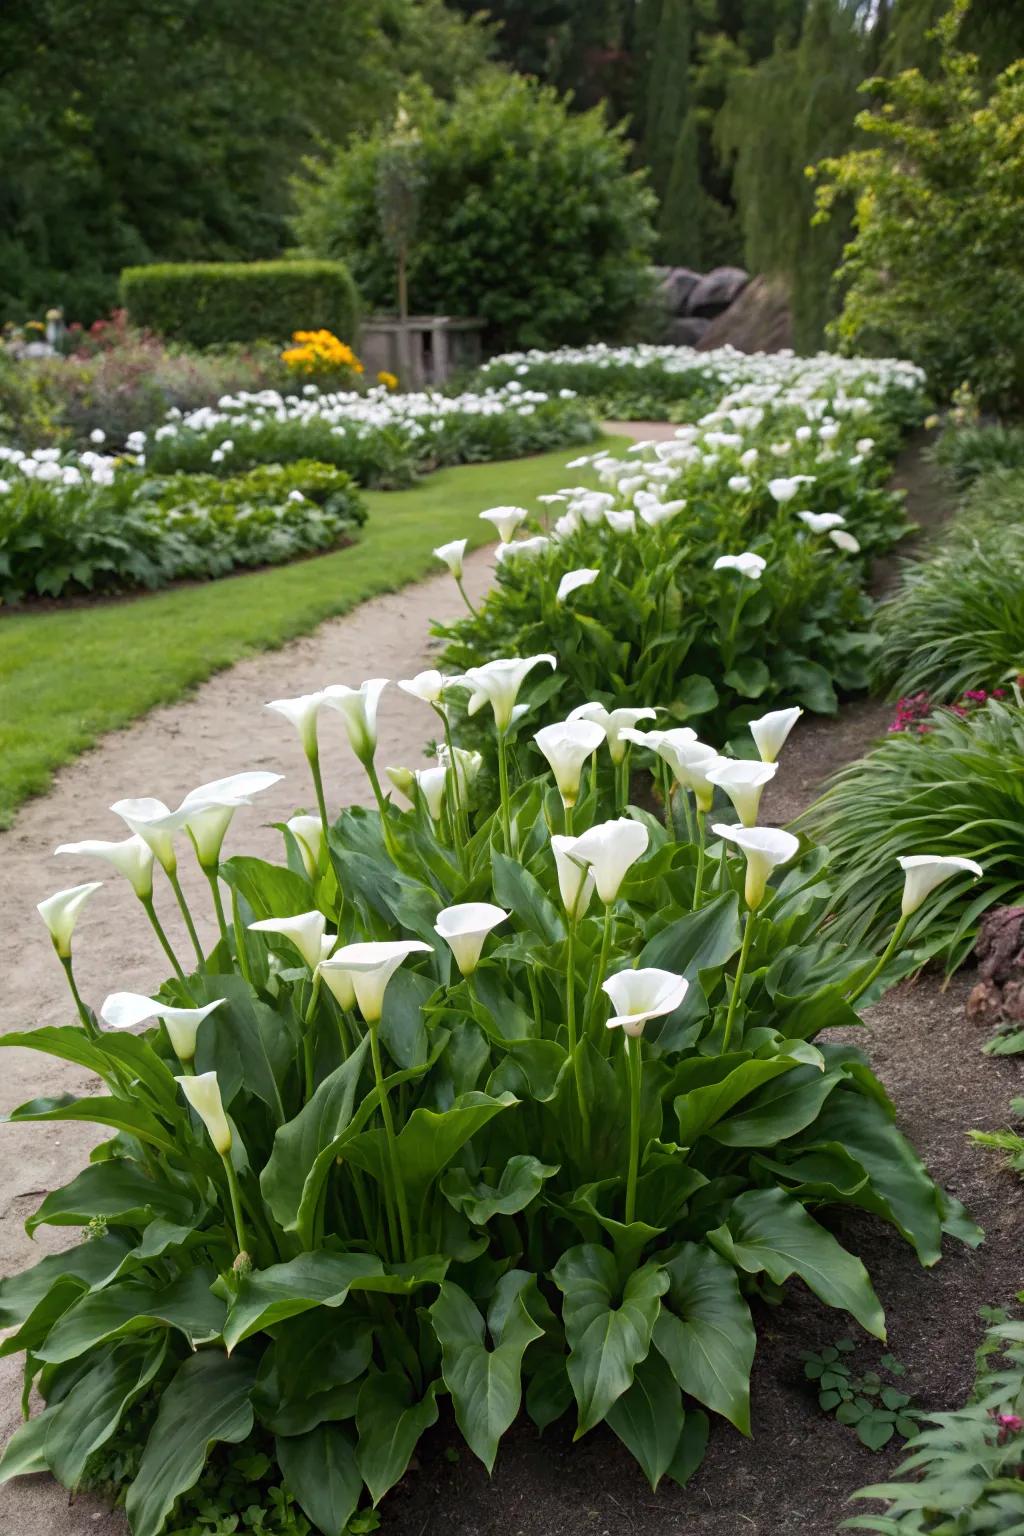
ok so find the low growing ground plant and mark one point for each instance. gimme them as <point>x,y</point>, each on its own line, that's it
<point>870,1402</point>
<point>484,1104</point>
<point>85,527</point>
<point>958,790</point>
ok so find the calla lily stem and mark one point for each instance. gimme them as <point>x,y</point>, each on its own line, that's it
<point>398,1184</point>
<point>885,957</point>
<point>240,945</point>
<point>570,1023</point>
<point>503,785</point>
<point>165,943</point>
<point>702,838</point>
<point>634,1069</point>
<point>378,795</point>
<point>187,915</point>
<point>83,1013</point>
<point>236,1203</point>
<point>748,934</point>
<point>318,785</point>
<point>465,599</point>
<point>218,905</point>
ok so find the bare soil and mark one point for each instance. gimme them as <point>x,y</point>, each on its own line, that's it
<point>800,1468</point>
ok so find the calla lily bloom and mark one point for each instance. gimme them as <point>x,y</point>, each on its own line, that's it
<point>467,766</point>
<point>431,783</point>
<point>845,541</point>
<point>209,810</point>
<point>60,914</point>
<point>465,927</point>
<point>691,760</point>
<point>648,993</point>
<point>404,780</point>
<point>771,731</point>
<point>614,722</point>
<point>506,520</point>
<point>573,580</point>
<point>126,1010</point>
<point>156,824</point>
<point>498,683</point>
<point>924,872</point>
<point>453,554</point>
<point>784,490</point>
<point>621,522</point>
<point>657,512</point>
<point>765,849</point>
<point>744,782</point>
<point>567,746</point>
<point>611,848</point>
<point>821,522</point>
<point>531,547</point>
<point>308,832</point>
<point>304,931</point>
<point>338,982</point>
<point>748,564</point>
<point>371,966</point>
<point>575,877</point>
<point>203,1093</point>
<point>132,858</point>
<point>303,712</point>
<point>428,686</point>
<point>358,708</point>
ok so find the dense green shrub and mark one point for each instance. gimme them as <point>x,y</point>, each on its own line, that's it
<point>935,270</point>
<point>957,618</point>
<point>206,303</point>
<point>970,451</point>
<point>955,788</point>
<point>147,531</point>
<point>30,410</point>
<point>528,216</point>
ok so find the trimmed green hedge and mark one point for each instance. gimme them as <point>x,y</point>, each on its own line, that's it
<point>208,302</point>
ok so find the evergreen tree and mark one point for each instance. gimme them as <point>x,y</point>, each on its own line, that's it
<point>668,94</point>
<point>679,223</point>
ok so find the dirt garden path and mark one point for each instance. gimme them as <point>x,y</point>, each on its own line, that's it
<point>801,1467</point>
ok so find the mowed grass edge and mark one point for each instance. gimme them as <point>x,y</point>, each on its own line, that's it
<point>68,677</point>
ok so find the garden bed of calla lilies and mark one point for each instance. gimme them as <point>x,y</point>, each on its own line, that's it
<point>527,1102</point>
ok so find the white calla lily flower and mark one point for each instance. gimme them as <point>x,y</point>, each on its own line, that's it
<point>132,858</point>
<point>126,1010</point>
<point>428,686</point>
<point>431,783</point>
<point>572,581</point>
<point>308,832</point>
<point>765,849</point>
<point>404,780</point>
<point>621,522</point>
<point>453,554</point>
<point>611,848</point>
<point>303,712</point>
<point>748,564</point>
<point>371,966</point>
<point>637,996</point>
<point>498,683</point>
<point>575,877</point>
<point>209,809</point>
<point>821,522</point>
<point>771,731</point>
<point>338,982</point>
<point>567,745</point>
<point>60,913</point>
<point>743,781</point>
<point>614,722</point>
<point>506,520</point>
<point>784,490</point>
<point>924,872</point>
<point>519,547</point>
<point>465,927</point>
<point>845,541</point>
<point>305,932</point>
<point>156,824</point>
<point>358,708</point>
<point>203,1094</point>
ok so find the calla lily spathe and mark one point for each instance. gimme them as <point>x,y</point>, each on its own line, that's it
<point>771,731</point>
<point>506,520</point>
<point>358,708</point>
<point>845,541</point>
<point>210,808</point>
<point>60,913</point>
<point>371,966</point>
<point>431,784</point>
<point>132,858</point>
<point>126,1010</point>
<point>637,996</point>
<point>744,782</point>
<point>453,554</point>
<point>156,824</point>
<point>611,848</point>
<point>465,927</point>
<point>575,876</point>
<point>567,745</point>
<point>924,872</point>
<point>203,1093</point>
<point>305,932</point>
<point>621,522</point>
<point>765,849</point>
<point>748,564</point>
<point>428,686</point>
<point>308,832</point>
<point>614,722</point>
<point>304,713</point>
<point>821,522</point>
<point>530,547</point>
<point>572,581</point>
<point>498,683</point>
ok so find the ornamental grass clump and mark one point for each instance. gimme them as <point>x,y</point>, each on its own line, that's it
<point>471,1108</point>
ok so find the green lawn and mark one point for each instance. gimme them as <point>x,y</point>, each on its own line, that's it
<point>65,678</point>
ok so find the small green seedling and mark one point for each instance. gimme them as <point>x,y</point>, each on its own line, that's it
<point>876,1408</point>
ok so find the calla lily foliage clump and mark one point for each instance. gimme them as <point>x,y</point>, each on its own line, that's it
<point>719,571</point>
<point>470,1108</point>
